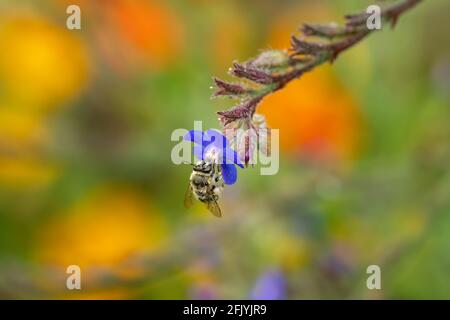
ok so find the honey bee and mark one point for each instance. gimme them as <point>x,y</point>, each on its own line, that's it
<point>206,185</point>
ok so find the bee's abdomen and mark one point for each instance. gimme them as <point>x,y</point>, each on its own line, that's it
<point>206,187</point>
<point>205,196</point>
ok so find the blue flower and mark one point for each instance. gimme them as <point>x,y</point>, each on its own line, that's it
<point>212,143</point>
<point>271,285</point>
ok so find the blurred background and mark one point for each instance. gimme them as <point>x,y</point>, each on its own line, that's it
<point>86,176</point>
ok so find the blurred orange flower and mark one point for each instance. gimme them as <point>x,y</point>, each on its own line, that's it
<point>288,21</point>
<point>316,117</point>
<point>151,27</point>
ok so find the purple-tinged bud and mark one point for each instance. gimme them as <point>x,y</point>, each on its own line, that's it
<point>306,47</point>
<point>251,73</point>
<point>228,89</point>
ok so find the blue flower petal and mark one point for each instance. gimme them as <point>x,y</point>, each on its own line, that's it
<point>231,156</point>
<point>229,173</point>
<point>228,155</point>
<point>198,137</point>
<point>199,152</point>
<point>217,139</point>
<point>194,136</point>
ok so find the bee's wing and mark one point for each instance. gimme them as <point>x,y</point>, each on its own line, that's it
<point>188,197</point>
<point>214,208</point>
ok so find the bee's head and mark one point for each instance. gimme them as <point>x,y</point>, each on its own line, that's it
<point>203,166</point>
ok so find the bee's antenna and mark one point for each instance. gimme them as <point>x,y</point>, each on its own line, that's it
<point>189,163</point>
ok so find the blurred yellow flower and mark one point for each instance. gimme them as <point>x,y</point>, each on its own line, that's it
<point>41,64</point>
<point>25,171</point>
<point>21,129</point>
<point>292,252</point>
<point>111,225</point>
<point>199,272</point>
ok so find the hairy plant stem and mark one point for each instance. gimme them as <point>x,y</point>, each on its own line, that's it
<point>272,70</point>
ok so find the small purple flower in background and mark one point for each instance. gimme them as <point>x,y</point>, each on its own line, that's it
<point>212,145</point>
<point>203,291</point>
<point>271,285</point>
